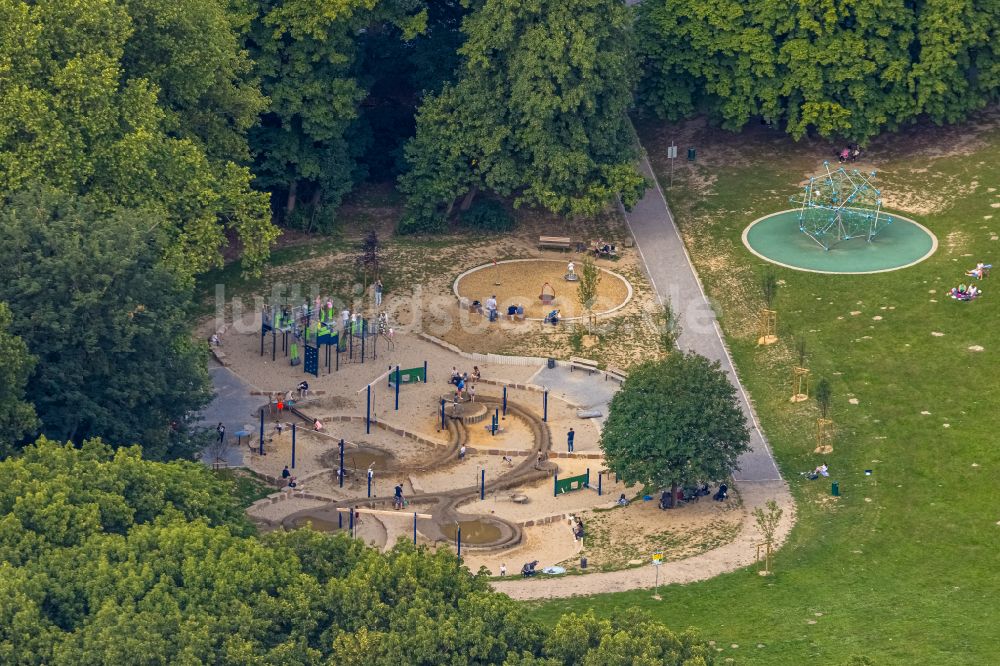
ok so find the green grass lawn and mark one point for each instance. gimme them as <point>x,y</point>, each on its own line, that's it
<point>901,567</point>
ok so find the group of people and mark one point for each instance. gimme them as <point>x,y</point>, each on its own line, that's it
<point>850,153</point>
<point>965,292</point>
<point>603,249</point>
<point>821,470</point>
<point>463,383</point>
<point>686,495</point>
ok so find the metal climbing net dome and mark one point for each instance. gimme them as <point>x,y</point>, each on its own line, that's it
<point>840,205</point>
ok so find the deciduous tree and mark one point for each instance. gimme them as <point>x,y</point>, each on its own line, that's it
<point>675,421</point>
<point>538,111</point>
<point>109,322</point>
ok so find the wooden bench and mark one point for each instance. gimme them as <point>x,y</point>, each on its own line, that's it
<point>617,374</point>
<point>583,364</point>
<point>559,242</point>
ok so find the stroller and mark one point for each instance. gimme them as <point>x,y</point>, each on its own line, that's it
<point>528,569</point>
<point>722,493</point>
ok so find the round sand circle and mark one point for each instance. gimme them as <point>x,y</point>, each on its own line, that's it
<point>521,282</point>
<point>902,243</point>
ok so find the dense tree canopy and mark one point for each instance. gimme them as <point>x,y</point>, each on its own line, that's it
<point>17,415</point>
<point>108,321</point>
<point>674,422</point>
<point>538,111</point>
<point>117,109</point>
<point>846,68</point>
<point>306,52</point>
<point>105,557</point>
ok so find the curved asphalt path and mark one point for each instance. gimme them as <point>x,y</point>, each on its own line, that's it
<point>674,279</point>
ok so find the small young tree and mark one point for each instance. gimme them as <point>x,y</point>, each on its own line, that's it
<point>668,327</point>
<point>675,421</point>
<point>800,349</point>
<point>767,524</point>
<point>590,280</point>
<point>823,397</point>
<point>768,286</point>
<point>369,261</point>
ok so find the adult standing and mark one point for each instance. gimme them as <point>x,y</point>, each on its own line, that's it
<point>378,293</point>
<point>570,436</point>
<point>221,429</point>
<point>303,389</point>
<point>491,307</point>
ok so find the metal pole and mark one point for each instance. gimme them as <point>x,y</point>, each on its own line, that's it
<point>369,483</point>
<point>545,406</point>
<point>397,388</point>
<point>362,340</point>
<point>293,445</point>
<point>555,484</point>
<point>414,528</point>
<point>599,479</point>
<point>442,414</point>
<point>338,355</point>
<point>274,344</point>
<point>340,521</point>
<point>368,412</point>
<point>262,431</point>
<point>505,402</point>
<point>482,485</point>
<point>341,463</point>
<point>459,544</point>
<point>388,377</point>
<point>425,372</point>
<point>587,482</point>
<point>350,524</point>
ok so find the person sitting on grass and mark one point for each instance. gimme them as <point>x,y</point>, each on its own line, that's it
<point>552,317</point>
<point>980,271</point>
<point>623,501</point>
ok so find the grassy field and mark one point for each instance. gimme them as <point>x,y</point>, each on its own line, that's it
<point>901,567</point>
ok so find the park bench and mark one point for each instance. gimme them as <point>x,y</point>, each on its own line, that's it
<point>583,364</point>
<point>617,374</point>
<point>559,242</point>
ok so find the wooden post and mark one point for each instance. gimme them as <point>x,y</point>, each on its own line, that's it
<point>768,327</point>
<point>800,385</point>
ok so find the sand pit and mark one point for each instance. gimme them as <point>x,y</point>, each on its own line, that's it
<point>521,282</point>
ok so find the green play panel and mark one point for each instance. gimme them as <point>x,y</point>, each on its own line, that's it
<point>776,238</point>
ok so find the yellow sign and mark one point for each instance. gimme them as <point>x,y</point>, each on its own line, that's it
<point>657,559</point>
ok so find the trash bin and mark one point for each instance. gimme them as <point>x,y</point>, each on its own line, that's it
<point>583,562</point>
<point>691,154</point>
<point>552,363</point>
<point>835,489</point>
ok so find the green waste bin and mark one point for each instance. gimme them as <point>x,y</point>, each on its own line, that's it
<point>691,154</point>
<point>835,489</point>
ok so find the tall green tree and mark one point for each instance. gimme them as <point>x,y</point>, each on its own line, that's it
<point>17,415</point>
<point>675,422</point>
<point>306,51</point>
<point>841,69</point>
<point>105,556</point>
<point>538,111</point>
<point>108,320</point>
<point>91,113</point>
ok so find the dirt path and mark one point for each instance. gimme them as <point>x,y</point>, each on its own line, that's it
<point>735,555</point>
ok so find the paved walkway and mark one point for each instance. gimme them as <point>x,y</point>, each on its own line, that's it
<point>674,279</point>
<point>233,406</point>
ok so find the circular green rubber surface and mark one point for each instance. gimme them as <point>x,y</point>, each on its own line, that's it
<point>776,238</point>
